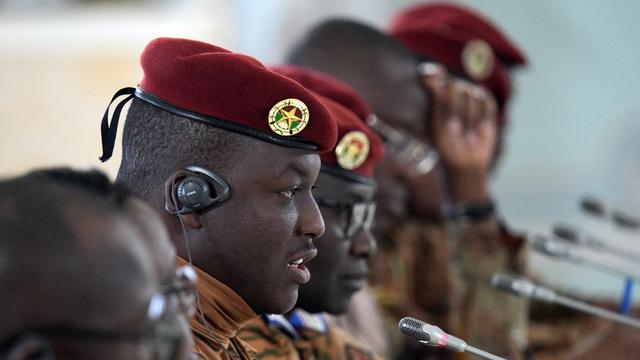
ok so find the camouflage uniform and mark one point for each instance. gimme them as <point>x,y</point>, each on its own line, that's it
<point>442,276</point>
<point>221,314</point>
<point>302,336</point>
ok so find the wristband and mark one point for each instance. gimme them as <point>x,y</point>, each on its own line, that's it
<point>473,212</point>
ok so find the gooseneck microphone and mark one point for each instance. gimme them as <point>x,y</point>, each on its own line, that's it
<point>596,208</point>
<point>434,336</point>
<point>527,289</point>
<point>562,250</point>
<point>575,236</point>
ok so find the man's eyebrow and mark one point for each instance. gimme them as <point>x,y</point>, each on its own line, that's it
<point>296,168</point>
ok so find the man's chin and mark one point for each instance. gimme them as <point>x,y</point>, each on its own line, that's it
<point>284,304</point>
<point>338,308</point>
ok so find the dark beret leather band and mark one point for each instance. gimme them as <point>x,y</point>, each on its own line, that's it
<point>223,124</point>
<point>476,211</point>
<point>346,174</point>
<point>108,128</point>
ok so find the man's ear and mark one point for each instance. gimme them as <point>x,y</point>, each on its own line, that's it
<point>30,347</point>
<point>192,219</point>
<point>170,200</point>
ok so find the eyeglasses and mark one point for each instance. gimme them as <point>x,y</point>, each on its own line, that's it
<point>359,216</point>
<point>163,337</point>
<point>182,291</point>
<point>420,157</point>
<point>175,299</point>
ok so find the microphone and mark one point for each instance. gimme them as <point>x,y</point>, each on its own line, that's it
<point>561,250</point>
<point>595,207</point>
<point>624,220</point>
<point>571,234</point>
<point>522,287</point>
<point>434,336</point>
<point>527,289</point>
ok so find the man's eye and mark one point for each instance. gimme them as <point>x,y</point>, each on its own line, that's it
<point>290,193</point>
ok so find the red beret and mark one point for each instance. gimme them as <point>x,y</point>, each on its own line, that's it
<point>232,91</point>
<point>358,149</point>
<point>327,86</point>
<point>462,40</point>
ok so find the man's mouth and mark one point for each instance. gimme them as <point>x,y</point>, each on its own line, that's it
<point>354,282</point>
<point>296,262</point>
<point>296,266</point>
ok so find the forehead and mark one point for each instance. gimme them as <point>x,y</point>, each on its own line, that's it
<point>407,108</point>
<point>395,92</point>
<point>119,263</point>
<point>335,188</point>
<point>266,161</point>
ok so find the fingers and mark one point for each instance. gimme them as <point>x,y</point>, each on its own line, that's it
<point>435,79</point>
<point>490,109</point>
<point>468,107</point>
<point>472,105</point>
<point>464,115</point>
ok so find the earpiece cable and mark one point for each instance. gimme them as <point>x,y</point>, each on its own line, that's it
<point>186,243</point>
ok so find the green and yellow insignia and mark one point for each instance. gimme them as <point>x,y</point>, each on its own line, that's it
<point>288,117</point>
<point>477,59</point>
<point>352,150</point>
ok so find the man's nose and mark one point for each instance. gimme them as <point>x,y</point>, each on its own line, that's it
<point>311,221</point>
<point>363,244</point>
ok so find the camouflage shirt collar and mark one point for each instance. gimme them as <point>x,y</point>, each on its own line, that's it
<point>297,320</point>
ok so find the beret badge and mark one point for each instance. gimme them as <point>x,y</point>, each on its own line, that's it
<point>352,150</point>
<point>288,117</point>
<point>477,59</point>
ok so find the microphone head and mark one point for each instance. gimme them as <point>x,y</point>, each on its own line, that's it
<point>513,285</point>
<point>412,328</point>
<point>573,235</point>
<point>624,220</point>
<point>593,206</point>
<point>566,232</point>
<point>522,287</point>
<point>550,247</point>
<point>430,335</point>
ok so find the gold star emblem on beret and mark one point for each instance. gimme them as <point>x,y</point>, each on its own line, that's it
<point>288,117</point>
<point>478,59</point>
<point>352,150</point>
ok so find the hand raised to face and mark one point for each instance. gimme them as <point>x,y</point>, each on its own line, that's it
<point>463,130</point>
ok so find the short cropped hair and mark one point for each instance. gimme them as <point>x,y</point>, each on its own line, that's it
<point>157,143</point>
<point>92,181</point>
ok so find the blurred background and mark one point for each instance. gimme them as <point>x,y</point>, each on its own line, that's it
<point>573,127</point>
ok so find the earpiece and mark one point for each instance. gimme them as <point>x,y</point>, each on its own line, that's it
<point>194,189</point>
<point>193,192</point>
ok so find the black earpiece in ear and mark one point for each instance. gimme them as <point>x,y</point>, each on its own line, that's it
<point>197,191</point>
<point>193,192</point>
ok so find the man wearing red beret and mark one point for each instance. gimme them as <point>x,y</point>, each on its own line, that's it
<point>344,191</point>
<point>235,148</point>
<point>444,272</point>
<point>473,48</point>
